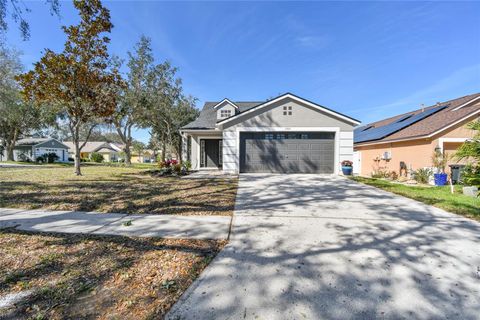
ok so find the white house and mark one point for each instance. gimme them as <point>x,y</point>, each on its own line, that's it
<point>286,134</point>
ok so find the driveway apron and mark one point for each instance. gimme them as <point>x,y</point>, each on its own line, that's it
<point>325,247</point>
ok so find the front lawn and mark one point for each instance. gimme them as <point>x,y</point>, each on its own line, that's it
<point>114,189</point>
<point>436,196</point>
<point>86,277</point>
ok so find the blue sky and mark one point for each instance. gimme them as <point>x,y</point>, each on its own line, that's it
<point>369,60</point>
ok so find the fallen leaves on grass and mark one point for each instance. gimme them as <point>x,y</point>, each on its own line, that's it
<point>80,276</point>
<point>115,189</point>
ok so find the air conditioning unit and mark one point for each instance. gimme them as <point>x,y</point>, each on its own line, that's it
<point>387,155</point>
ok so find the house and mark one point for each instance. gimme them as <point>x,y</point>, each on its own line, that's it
<point>146,156</point>
<point>411,138</point>
<point>110,151</point>
<point>286,134</point>
<point>29,149</point>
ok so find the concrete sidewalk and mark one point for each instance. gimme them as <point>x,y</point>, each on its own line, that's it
<point>165,226</point>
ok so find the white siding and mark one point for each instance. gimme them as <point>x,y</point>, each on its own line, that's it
<point>230,157</point>
<point>346,146</point>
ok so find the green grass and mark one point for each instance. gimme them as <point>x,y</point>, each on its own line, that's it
<point>106,188</point>
<point>440,197</point>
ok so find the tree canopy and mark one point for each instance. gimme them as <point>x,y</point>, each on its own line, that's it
<point>18,118</point>
<point>79,82</point>
<point>16,9</point>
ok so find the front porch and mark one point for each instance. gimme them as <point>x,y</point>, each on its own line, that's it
<point>204,150</point>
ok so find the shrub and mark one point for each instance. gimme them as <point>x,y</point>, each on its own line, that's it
<point>439,161</point>
<point>168,163</point>
<point>50,157</point>
<point>393,175</point>
<point>471,175</point>
<point>96,157</point>
<point>177,168</point>
<point>187,165</point>
<point>380,174</point>
<point>422,175</point>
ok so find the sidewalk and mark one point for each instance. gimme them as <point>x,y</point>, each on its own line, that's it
<point>164,226</point>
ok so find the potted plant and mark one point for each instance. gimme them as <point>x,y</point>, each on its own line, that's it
<point>439,161</point>
<point>347,167</point>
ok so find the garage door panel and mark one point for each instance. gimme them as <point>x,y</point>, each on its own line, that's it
<point>292,152</point>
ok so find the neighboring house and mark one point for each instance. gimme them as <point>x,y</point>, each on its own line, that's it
<point>111,151</point>
<point>412,137</point>
<point>146,156</point>
<point>29,149</point>
<point>287,134</point>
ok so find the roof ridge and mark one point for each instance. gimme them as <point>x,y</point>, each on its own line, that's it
<point>424,108</point>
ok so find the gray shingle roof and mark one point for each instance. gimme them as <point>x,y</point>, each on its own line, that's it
<point>31,141</point>
<point>208,116</point>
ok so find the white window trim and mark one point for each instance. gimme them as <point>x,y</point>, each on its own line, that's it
<point>336,170</point>
<point>441,141</point>
<point>225,101</point>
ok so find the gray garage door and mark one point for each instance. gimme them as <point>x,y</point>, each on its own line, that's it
<point>287,152</point>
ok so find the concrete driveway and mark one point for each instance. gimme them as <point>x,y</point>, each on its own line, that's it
<point>321,247</point>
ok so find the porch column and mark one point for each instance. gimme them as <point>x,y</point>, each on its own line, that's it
<point>184,146</point>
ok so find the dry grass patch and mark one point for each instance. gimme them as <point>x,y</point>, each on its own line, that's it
<point>114,189</point>
<point>85,277</point>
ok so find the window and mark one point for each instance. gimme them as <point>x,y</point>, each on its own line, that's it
<point>280,136</point>
<point>292,136</point>
<point>304,136</point>
<point>287,110</point>
<point>225,113</point>
<point>269,136</point>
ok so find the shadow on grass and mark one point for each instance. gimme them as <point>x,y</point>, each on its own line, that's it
<point>73,267</point>
<point>129,193</point>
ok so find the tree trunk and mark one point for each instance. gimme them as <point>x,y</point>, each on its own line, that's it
<point>126,136</point>
<point>11,145</point>
<point>164,151</point>
<point>128,155</point>
<point>75,131</point>
<point>10,151</point>
<point>78,171</point>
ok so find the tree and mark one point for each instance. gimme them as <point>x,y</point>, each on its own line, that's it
<point>17,10</point>
<point>136,97</point>
<point>17,117</point>
<point>138,147</point>
<point>182,113</point>
<point>170,110</point>
<point>470,150</point>
<point>79,82</point>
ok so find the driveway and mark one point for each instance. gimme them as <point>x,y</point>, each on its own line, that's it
<point>322,247</point>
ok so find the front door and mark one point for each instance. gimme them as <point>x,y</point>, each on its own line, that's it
<point>211,153</point>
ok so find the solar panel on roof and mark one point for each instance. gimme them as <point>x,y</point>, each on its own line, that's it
<point>384,131</point>
<point>405,117</point>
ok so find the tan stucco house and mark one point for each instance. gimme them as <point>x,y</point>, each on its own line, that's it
<point>412,137</point>
<point>286,134</point>
<point>111,151</point>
